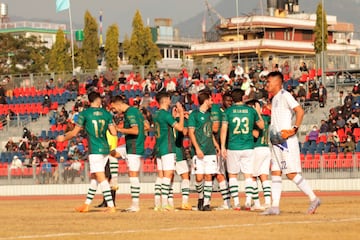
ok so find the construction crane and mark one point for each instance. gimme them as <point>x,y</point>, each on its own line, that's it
<point>209,10</point>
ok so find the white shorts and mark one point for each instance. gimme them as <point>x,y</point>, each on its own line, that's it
<point>182,167</point>
<point>166,162</point>
<point>240,161</point>
<point>97,162</point>
<point>122,151</point>
<point>133,162</point>
<point>286,157</point>
<point>207,165</point>
<point>262,161</point>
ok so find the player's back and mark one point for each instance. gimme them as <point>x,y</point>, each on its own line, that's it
<point>241,120</point>
<point>95,121</point>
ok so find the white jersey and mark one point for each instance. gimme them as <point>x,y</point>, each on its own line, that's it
<point>282,112</point>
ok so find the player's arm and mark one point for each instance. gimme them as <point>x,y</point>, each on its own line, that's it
<point>194,143</point>
<point>259,123</point>
<point>215,127</point>
<point>69,135</point>
<point>299,115</point>
<point>223,135</point>
<point>179,126</point>
<point>216,144</point>
<point>112,129</point>
<point>133,130</point>
<point>146,126</point>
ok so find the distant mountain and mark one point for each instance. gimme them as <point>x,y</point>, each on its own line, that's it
<point>345,10</point>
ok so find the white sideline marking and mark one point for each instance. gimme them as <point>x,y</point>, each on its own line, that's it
<point>177,229</point>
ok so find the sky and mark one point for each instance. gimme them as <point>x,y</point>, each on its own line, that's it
<point>120,12</point>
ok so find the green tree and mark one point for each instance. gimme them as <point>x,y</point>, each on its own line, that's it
<point>141,51</point>
<point>90,47</point>
<point>112,47</point>
<point>320,26</point>
<point>60,59</point>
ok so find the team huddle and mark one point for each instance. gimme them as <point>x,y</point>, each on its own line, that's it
<point>238,137</point>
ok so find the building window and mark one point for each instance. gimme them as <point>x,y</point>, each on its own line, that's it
<point>307,35</point>
<point>271,35</point>
<point>287,35</point>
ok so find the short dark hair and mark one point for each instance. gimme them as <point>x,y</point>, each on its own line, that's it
<point>237,95</point>
<point>117,98</point>
<point>203,96</point>
<point>226,94</point>
<point>92,96</point>
<point>161,95</point>
<point>276,74</point>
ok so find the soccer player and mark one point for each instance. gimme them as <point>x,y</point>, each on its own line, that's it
<point>165,143</point>
<point>182,165</point>
<point>238,122</point>
<point>262,162</point>
<point>206,147</point>
<point>95,120</point>
<point>134,138</point>
<point>285,149</point>
<point>216,116</point>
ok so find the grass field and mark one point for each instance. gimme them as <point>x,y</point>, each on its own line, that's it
<point>53,217</point>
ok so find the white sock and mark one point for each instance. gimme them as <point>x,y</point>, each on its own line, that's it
<point>114,169</point>
<point>266,185</point>
<point>200,189</point>
<point>276,190</point>
<point>105,188</point>
<point>185,190</point>
<point>304,186</point>
<point>165,188</point>
<point>157,197</point>
<point>91,191</point>
<point>255,195</point>
<point>225,193</point>
<point>248,191</point>
<point>207,192</point>
<point>234,190</point>
<point>135,191</point>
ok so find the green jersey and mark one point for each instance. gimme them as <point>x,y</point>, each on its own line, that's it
<point>240,120</point>
<point>95,121</point>
<point>263,139</point>
<point>164,133</point>
<point>179,138</point>
<point>134,143</point>
<point>202,124</point>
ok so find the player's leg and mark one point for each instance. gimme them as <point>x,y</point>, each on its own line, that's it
<point>199,170</point>
<point>158,181</point>
<point>90,195</point>
<point>233,168</point>
<point>266,186</point>
<point>182,169</point>
<point>168,162</point>
<point>134,168</point>
<point>223,185</point>
<point>108,176</point>
<point>210,169</point>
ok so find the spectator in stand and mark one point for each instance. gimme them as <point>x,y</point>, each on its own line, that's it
<point>347,110</point>
<point>296,75</point>
<point>196,74</point>
<point>182,81</point>
<point>145,100</point>
<point>349,145</point>
<point>50,84</point>
<point>322,94</point>
<point>341,99</point>
<point>11,118</point>
<point>263,74</point>
<point>16,163</point>
<point>354,121</point>
<point>340,123</point>
<point>324,127</point>
<point>232,73</point>
<point>46,172</point>
<point>276,68</point>
<point>303,68</point>
<point>332,124</point>
<point>349,98</point>
<point>122,78</point>
<point>334,142</point>
<point>72,171</point>
<point>239,71</point>
<point>313,135</point>
<point>286,70</point>
<point>61,118</point>
<point>301,94</point>
<point>23,145</point>
<point>47,101</point>
<point>170,86</point>
<point>72,150</point>
<point>356,89</point>
<point>11,146</point>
